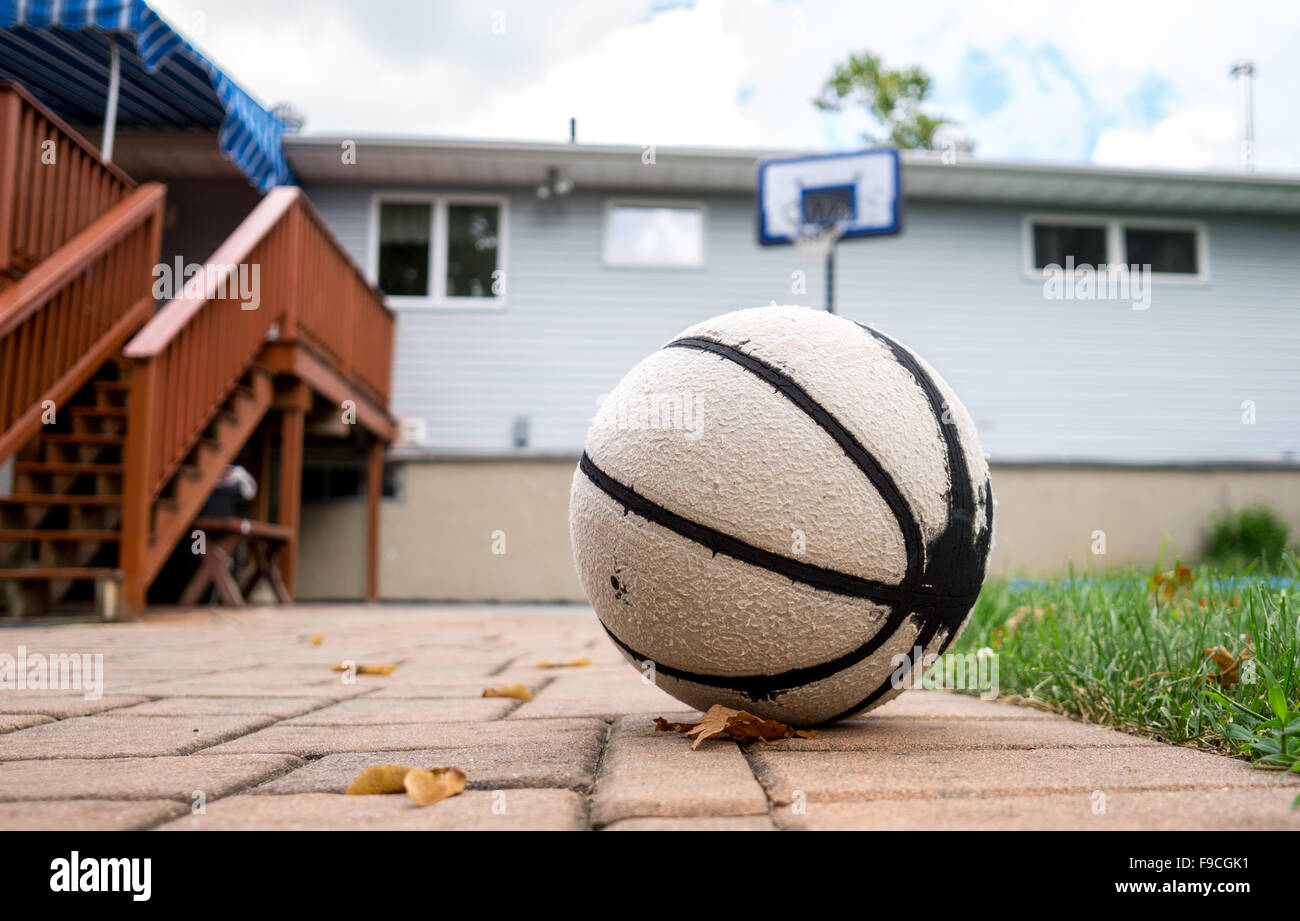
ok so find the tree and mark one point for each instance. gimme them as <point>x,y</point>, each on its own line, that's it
<point>893,97</point>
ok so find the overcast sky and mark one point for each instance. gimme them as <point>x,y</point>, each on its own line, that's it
<point>1134,82</point>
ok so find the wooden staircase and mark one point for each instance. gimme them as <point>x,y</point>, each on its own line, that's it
<point>121,419</point>
<point>60,525</point>
<point>60,530</point>
<point>77,240</point>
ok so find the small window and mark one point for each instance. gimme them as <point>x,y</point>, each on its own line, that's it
<point>1060,244</point>
<point>405,235</point>
<point>472,245</point>
<point>654,235</point>
<point>1172,251</point>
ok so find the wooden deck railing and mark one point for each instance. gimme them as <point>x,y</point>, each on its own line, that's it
<point>67,316</point>
<point>53,184</point>
<point>339,313</point>
<point>193,352</point>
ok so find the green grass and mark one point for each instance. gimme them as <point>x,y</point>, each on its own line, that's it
<point>1117,651</point>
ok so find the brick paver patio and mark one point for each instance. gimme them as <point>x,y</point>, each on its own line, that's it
<point>241,712</point>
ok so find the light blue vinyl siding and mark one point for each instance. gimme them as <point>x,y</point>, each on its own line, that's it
<point>1044,380</point>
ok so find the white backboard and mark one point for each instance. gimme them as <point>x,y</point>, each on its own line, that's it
<point>862,187</point>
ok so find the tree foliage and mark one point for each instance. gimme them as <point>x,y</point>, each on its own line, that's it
<point>893,97</point>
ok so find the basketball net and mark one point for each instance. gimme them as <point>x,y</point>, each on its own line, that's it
<point>815,235</point>
<point>815,240</point>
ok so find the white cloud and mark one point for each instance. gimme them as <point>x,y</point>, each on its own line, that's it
<point>672,80</point>
<point>1192,139</point>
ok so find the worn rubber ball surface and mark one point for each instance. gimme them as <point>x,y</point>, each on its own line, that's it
<point>776,506</point>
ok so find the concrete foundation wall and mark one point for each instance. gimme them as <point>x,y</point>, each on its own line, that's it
<point>437,536</point>
<point>332,556</point>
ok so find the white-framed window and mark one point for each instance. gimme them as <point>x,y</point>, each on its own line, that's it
<point>439,250</point>
<point>1175,250</point>
<point>655,234</point>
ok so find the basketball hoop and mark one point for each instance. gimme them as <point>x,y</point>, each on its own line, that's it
<point>814,201</point>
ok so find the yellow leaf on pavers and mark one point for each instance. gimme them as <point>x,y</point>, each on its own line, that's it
<point>427,787</point>
<point>317,640</point>
<point>379,778</point>
<point>738,723</point>
<point>576,663</point>
<point>385,669</point>
<point>517,691</point>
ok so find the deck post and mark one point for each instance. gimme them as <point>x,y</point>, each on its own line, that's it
<point>261,505</point>
<point>374,492</point>
<point>293,418</point>
<point>110,105</point>
<point>137,487</point>
<point>11,105</point>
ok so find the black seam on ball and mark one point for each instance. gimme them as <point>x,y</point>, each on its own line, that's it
<point>854,449</point>
<point>830,580</point>
<point>958,557</point>
<point>897,600</point>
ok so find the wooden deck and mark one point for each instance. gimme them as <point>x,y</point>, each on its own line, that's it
<point>123,419</point>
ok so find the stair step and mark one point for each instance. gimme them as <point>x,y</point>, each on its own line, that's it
<point>45,573</point>
<point>84,438</point>
<point>52,499</point>
<point>66,467</point>
<point>112,386</point>
<point>60,536</point>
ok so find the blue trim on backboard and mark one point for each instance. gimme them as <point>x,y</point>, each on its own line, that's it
<point>896,221</point>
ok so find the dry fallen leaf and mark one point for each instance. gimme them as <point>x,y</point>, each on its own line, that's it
<point>427,787</point>
<point>1019,615</point>
<point>378,778</point>
<point>738,723</point>
<point>385,669</point>
<point>317,640</point>
<point>1169,583</point>
<point>518,691</point>
<point>1229,665</point>
<point>576,663</point>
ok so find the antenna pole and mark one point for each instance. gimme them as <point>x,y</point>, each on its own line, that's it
<point>830,278</point>
<point>1244,72</point>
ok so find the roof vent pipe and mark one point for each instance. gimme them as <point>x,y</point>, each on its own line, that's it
<point>1244,72</point>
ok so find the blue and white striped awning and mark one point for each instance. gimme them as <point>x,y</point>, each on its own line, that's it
<point>59,51</point>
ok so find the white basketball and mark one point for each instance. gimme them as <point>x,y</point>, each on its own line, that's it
<point>776,505</point>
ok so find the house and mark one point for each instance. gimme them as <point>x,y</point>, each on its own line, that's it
<point>1121,410</point>
<point>504,287</point>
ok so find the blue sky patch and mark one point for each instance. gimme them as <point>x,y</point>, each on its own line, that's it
<point>984,83</point>
<point>1149,103</point>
